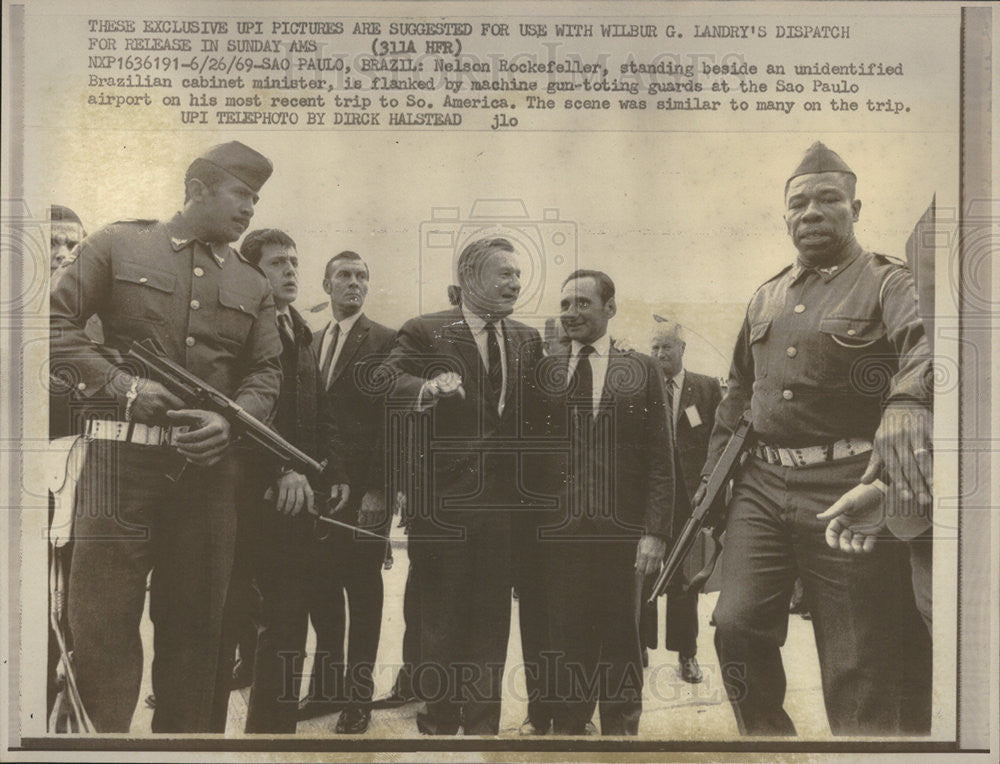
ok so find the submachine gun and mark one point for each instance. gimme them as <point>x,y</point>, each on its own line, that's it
<point>710,512</point>
<point>199,394</point>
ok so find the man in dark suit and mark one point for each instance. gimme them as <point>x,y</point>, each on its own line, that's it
<point>464,369</point>
<point>276,516</point>
<point>609,458</point>
<point>692,399</point>
<point>351,349</point>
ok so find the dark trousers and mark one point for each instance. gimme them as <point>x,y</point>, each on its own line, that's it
<point>403,686</point>
<point>533,616</point>
<point>359,569</point>
<point>239,618</point>
<point>283,590</point>
<point>328,614</point>
<point>131,519</point>
<point>465,593</point>
<point>594,634</point>
<point>681,619</point>
<point>772,535</point>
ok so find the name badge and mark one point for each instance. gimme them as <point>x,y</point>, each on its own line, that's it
<point>691,412</point>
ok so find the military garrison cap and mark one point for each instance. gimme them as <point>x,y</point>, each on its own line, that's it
<point>240,161</point>
<point>819,158</point>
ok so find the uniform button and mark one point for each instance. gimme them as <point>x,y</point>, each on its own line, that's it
<point>195,305</point>
<point>787,395</point>
<point>189,342</point>
<point>82,386</point>
<point>792,352</point>
<point>143,280</point>
<point>799,308</point>
<point>199,271</point>
<point>851,332</point>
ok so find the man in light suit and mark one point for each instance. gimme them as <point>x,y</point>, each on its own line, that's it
<point>464,369</point>
<point>351,348</point>
<point>608,457</point>
<point>692,399</point>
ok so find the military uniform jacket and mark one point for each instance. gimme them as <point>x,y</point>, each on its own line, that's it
<point>822,351</point>
<point>214,316</point>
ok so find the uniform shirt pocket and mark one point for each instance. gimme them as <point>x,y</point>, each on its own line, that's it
<point>143,293</point>
<point>236,315</point>
<point>852,350</point>
<point>758,334</point>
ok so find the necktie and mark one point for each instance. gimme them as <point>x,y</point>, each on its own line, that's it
<point>286,326</point>
<point>331,348</point>
<point>495,370</point>
<point>670,400</point>
<point>582,389</point>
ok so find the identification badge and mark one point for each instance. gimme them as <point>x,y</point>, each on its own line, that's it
<point>691,412</point>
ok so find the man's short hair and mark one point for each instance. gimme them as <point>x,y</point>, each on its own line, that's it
<point>605,286</point>
<point>670,328</point>
<point>475,254</point>
<point>345,255</point>
<point>255,241</point>
<point>209,174</point>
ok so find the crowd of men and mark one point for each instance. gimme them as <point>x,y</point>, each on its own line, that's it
<point>560,470</point>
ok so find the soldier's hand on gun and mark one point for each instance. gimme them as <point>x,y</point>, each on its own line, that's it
<point>649,554</point>
<point>372,511</point>
<point>208,437</point>
<point>294,493</point>
<point>152,402</point>
<point>856,519</point>
<point>902,451</point>
<point>340,494</point>
<point>444,385</point>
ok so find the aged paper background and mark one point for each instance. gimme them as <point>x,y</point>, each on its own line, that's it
<point>682,209</point>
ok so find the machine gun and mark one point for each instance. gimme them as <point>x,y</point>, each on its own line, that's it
<point>199,394</point>
<point>710,512</point>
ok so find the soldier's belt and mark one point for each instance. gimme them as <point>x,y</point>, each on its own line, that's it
<point>801,457</point>
<point>133,432</point>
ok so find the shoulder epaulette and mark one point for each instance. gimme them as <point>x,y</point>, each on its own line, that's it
<point>779,274</point>
<point>890,260</point>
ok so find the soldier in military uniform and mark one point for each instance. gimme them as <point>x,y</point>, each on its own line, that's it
<point>152,497</point>
<point>832,362</point>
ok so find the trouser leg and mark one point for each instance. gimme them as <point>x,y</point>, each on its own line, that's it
<point>574,633</point>
<point>621,693</point>
<point>112,556</point>
<point>194,544</point>
<point>445,590</point>
<point>328,614</point>
<point>682,621</point>
<point>281,644</point>
<point>488,629</point>
<point>533,615</point>
<point>854,600</point>
<point>751,615</point>
<point>363,584</point>
<point>411,635</point>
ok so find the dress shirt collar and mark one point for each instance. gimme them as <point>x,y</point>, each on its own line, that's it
<point>477,324</point>
<point>602,346</point>
<point>345,324</point>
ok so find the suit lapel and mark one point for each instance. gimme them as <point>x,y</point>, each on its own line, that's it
<point>459,335</point>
